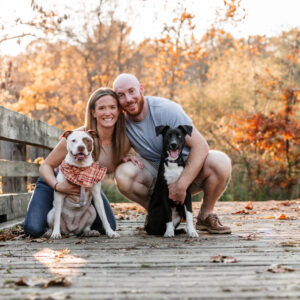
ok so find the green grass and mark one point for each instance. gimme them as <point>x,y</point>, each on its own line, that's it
<point>111,191</point>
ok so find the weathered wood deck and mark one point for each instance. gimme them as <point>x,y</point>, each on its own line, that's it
<point>138,266</point>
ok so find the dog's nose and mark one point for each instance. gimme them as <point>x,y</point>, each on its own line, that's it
<point>173,145</point>
<point>80,148</point>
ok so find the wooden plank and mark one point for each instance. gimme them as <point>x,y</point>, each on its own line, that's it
<point>20,128</point>
<point>18,168</point>
<point>14,205</point>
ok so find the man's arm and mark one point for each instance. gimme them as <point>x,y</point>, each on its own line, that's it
<point>198,153</point>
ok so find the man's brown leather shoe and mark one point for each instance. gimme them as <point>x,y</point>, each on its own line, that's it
<point>212,224</point>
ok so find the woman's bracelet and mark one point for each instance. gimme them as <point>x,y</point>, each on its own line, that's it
<point>55,186</point>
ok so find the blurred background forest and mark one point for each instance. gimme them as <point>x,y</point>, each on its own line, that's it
<point>242,93</point>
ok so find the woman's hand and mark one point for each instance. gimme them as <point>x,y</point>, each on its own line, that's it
<point>68,188</point>
<point>134,160</point>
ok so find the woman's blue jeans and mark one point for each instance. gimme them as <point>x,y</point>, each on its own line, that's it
<point>41,203</point>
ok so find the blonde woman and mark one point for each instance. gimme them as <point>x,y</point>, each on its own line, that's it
<point>104,115</point>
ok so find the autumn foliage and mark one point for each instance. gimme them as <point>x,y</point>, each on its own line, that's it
<point>242,93</point>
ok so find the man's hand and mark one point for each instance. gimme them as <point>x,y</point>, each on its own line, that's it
<point>134,160</point>
<point>177,192</point>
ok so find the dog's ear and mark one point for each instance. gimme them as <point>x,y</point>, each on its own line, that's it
<point>186,129</point>
<point>66,134</point>
<point>161,129</point>
<point>93,134</point>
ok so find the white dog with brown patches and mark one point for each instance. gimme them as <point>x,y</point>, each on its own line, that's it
<point>66,216</point>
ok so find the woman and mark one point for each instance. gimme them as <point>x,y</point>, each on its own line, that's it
<point>104,115</point>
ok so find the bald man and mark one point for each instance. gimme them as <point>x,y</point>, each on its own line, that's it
<point>206,170</point>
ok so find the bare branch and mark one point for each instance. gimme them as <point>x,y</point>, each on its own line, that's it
<point>16,37</point>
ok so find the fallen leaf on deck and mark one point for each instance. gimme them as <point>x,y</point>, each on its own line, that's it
<point>286,203</point>
<point>285,217</point>
<point>290,244</point>
<point>44,283</point>
<point>6,236</point>
<point>40,240</point>
<point>241,212</point>
<point>279,269</point>
<point>62,253</point>
<point>250,237</point>
<point>57,281</point>
<point>249,205</point>
<point>13,233</point>
<point>238,224</point>
<point>223,259</point>
<point>272,208</point>
<point>269,217</point>
<point>81,242</point>
<point>34,281</point>
<point>282,217</point>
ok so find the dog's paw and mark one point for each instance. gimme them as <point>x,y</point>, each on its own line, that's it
<point>192,233</point>
<point>113,234</point>
<point>169,233</point>
<point>47,234</point>
<point>92,233</point>
<point>55,236</point>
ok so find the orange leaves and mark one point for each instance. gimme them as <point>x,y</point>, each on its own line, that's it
<point>175,53</point>
<point>292,57</point>
<point>285,217</point>
<point>248,210</point>
<point>272,138</point>
<point>249,205</point>
<point>282,217</point>
<point>186,16</point>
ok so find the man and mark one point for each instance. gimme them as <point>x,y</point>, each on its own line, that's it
<point>206,170</point>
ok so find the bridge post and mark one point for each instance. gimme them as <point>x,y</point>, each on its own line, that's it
<point>15,152</point>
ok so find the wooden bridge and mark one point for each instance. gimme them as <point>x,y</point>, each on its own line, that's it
<point>259,260</point>
<point>21,140</point>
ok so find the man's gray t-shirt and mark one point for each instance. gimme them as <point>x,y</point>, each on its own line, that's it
<point>142,134</point>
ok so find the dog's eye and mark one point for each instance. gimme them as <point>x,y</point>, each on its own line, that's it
<point>73,141</point>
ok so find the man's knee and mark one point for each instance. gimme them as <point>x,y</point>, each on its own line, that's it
<point>220,164</point>
<point>125,174</point>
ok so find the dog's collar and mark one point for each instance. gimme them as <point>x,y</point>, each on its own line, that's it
<point>177,160</point>
<point>83,176</point>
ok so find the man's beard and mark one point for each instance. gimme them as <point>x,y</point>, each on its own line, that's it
<point>140,104</point>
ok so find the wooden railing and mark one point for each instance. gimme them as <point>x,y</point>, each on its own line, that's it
<point>21,140</point>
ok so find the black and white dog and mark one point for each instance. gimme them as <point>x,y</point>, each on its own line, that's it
<point>164,215</point>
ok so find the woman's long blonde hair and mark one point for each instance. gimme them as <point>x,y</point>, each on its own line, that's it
<point>118,139</point>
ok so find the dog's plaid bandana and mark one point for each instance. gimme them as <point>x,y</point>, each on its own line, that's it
<point>85,177</point>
